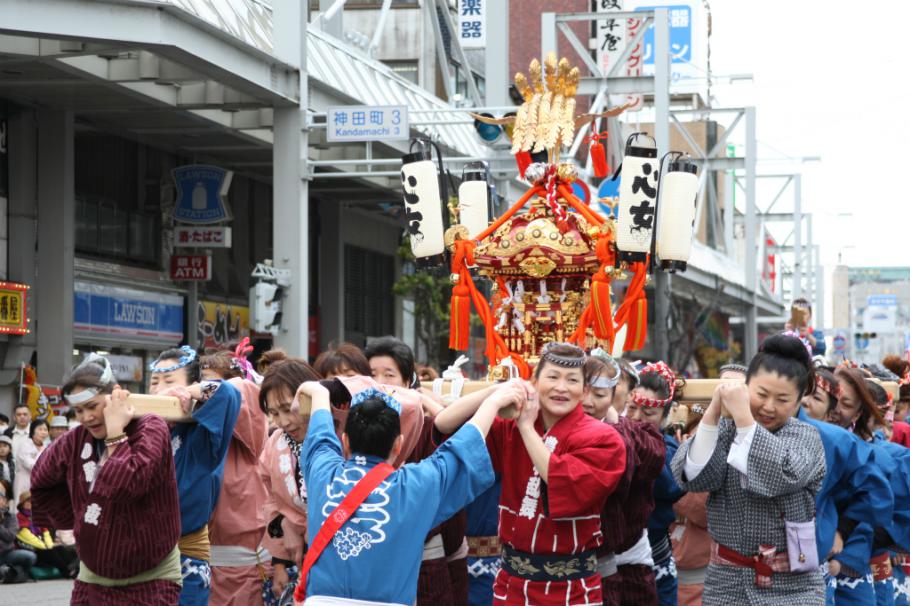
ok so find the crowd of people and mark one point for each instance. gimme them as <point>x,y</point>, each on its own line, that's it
<point>349,481</point>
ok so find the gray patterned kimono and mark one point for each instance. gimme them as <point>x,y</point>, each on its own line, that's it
<point>786,469</point>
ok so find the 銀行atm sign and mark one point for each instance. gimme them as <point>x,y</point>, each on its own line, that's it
<point>191,268</point>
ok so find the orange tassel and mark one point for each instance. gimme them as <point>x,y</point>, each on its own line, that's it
<point>523,159</point>
<point>460,317</point>
<point>602,308</point>
<point>599,159</point>
<point>637,326</point>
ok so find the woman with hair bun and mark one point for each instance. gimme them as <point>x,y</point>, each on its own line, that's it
<point>763,469</point>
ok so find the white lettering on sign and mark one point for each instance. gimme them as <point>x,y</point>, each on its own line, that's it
<point>130,313</point>
<point>191,273</point>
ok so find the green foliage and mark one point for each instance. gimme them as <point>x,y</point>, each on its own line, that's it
<point>430,293</point>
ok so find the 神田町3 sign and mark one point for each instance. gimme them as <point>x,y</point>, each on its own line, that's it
<point>367,123</point>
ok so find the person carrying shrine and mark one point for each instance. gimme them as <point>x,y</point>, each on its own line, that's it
<point>368,548</point>
<point>111,479</point>
<point>199,451</point>
<point>763,469</point>
<point>558,466</point>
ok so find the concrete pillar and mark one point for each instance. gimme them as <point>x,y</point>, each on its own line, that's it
<point>331,274</point>
<point>56,244</point>
<point>496,66</point>
<point>22,233</point>
<point>291,229</point>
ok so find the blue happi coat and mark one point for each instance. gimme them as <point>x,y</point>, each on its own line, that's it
<point>666,493</point>
<point>376,554</point>
<point>199,452</point>
<point>854,487</point>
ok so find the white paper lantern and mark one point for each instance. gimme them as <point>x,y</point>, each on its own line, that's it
<point>474,201</point>
<point>423,204</point>
<point>676,214</point>
<point>637,198</point>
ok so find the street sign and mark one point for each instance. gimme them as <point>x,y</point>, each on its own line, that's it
<point>203,237</point>
<point>472,23</point>
<point>680,17</point>
<point>200,194</point>
<point>367,123</point>
<point>196,268</point>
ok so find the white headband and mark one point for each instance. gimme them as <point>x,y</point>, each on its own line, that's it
<point>106,378</point>
<point>602,382</point>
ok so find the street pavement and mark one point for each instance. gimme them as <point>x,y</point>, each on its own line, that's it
<point>41,593</point>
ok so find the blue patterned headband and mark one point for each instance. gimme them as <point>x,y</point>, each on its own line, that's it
<point>371,392</point>
<point>189,355</point>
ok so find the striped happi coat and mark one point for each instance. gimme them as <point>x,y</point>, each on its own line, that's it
<point>786,468</point>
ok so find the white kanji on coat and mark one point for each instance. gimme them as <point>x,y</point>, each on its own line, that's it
<point>89,467</point>
<point>92,513</point>
<point>86,450</point>
<point>176,443</point>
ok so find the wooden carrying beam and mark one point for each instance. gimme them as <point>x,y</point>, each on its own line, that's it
<point>166,407</point>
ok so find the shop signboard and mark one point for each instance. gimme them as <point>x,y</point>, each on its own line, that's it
<point>191,268</point>
<point>104,312</point>
<point>367,123</point>
<point>13,308</point>
<point>200,194</point>
<point>203,237</point>
<point>126,368</point>
<point>472,23</point>
<point>221,324</point>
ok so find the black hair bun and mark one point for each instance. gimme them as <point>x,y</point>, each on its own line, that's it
<point>787,346</point>
<point>371,408</point>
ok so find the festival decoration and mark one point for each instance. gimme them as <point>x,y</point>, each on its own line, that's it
<point>424,199</point>
<point>474,198</point>
<point>550,257</point>
<point>637,198</point>
<point>676,213</point>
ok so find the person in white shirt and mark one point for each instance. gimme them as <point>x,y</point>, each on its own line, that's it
<point>19,432</point>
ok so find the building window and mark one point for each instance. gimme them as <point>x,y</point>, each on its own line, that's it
<point>405,69</point>
<point>104,230</point>
<point>368,300</point>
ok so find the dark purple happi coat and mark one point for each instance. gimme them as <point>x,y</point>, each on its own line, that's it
<point>125,514</point>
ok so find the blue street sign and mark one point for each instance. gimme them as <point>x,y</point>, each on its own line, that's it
<point>680,17</point>
<point>200,194</point>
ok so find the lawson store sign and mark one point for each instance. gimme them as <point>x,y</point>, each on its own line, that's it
<point>103,312</point>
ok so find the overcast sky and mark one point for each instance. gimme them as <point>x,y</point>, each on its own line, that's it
<point>830,80</point>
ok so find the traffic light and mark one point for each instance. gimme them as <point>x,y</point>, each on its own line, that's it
<point>265,307</point>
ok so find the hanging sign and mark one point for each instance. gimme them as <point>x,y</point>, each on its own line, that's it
<point>472,23</point>
<point>13,310</point>
<point>367,123</point>
<point>203,237</point>
<point>194,268</point>
<point>200,194</point>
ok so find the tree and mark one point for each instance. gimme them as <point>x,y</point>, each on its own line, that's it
<point>430,293</point>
